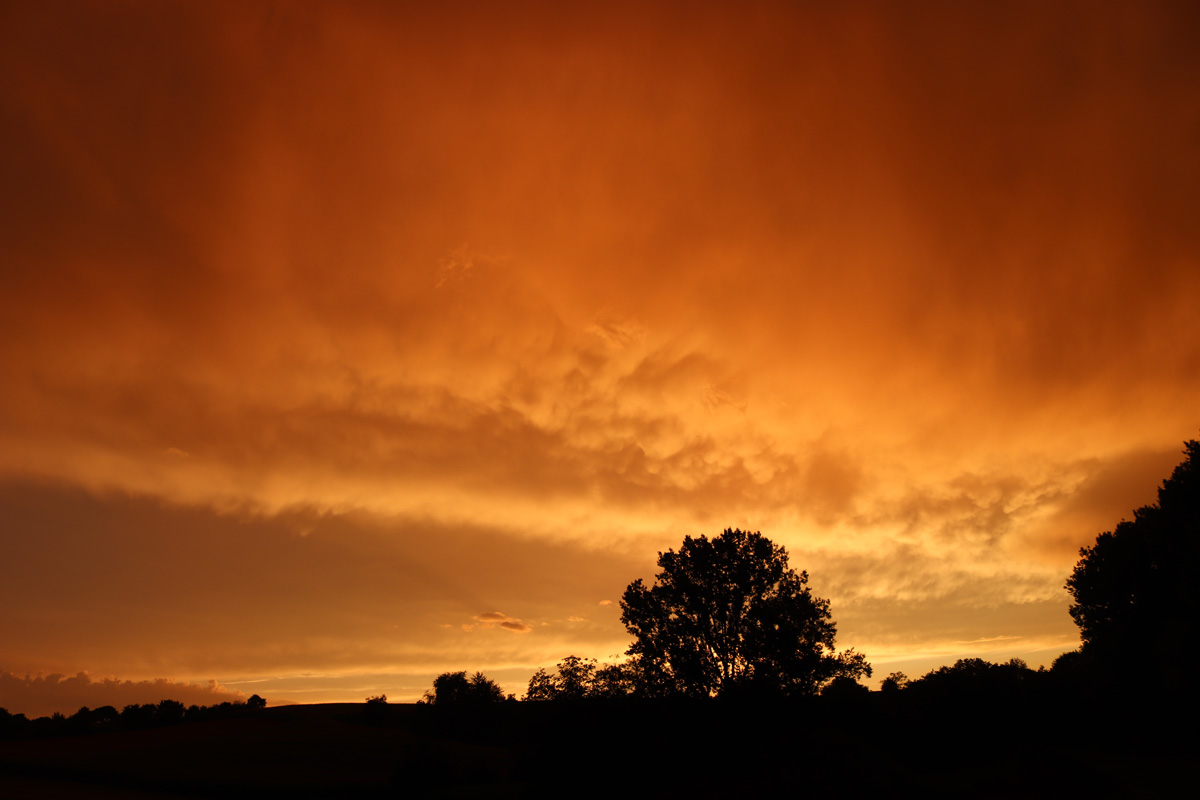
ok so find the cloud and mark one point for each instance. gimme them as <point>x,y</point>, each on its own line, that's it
<point>1105,491</point>
<point>908,320</point>
<point>495,618</point>
<point>749,361</point>
<point>45,695</point>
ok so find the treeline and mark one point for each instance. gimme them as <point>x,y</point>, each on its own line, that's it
<point>131,718</point>
<point>581,679</point>
<point>975,728</point>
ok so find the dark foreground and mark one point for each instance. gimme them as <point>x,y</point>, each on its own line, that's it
<point>861,746</point>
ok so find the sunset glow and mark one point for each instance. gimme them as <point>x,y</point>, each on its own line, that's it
<point>347,344</point>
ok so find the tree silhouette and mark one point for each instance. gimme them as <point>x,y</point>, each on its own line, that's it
<point>976,677</point>
<point>575,677</point>
<point>170,712</point>
<point>614,680</point>
<point>1135,603</point>
<point>574,680</point>
<point>578,678</point>
<point>455,688</point>
<point>844,686</point>
<point>542,687</point>
<point>729,614</point>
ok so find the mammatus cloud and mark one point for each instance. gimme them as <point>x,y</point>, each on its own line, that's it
<point>44,695</point>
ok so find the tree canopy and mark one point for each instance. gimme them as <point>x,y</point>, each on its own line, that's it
<point>455,688</point>
<point>728,614</point>
<point>580,678</point>
<point>1135,604</point>
<point>976,677</point>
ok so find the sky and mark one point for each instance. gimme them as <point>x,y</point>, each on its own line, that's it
<point>347,344</point>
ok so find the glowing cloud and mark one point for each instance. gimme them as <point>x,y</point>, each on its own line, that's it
<point>375,315</point>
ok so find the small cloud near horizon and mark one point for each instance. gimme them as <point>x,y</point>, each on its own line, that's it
<point>491,619</point>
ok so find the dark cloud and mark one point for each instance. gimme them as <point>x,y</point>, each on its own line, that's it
<point>42,696</point>
<point>495,618</point>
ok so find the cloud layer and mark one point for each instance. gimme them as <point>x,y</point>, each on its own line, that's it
<point>333,291</point>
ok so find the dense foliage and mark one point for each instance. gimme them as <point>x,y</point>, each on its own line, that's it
<point>455,688</point>
<point>728,614</point>
<point>1135,603</point>
<point>578,678</point>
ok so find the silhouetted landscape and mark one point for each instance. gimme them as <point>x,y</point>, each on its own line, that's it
<point>1025,734</point>
<point>722,695</point>
<point>599,398</point>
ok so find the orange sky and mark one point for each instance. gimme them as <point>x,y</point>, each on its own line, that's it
<point>345,344</point>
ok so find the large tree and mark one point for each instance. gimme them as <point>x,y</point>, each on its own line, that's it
<point>727,614</point>
<point>1135,598</point>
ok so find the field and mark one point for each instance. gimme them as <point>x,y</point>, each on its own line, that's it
<point>869,747</point>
